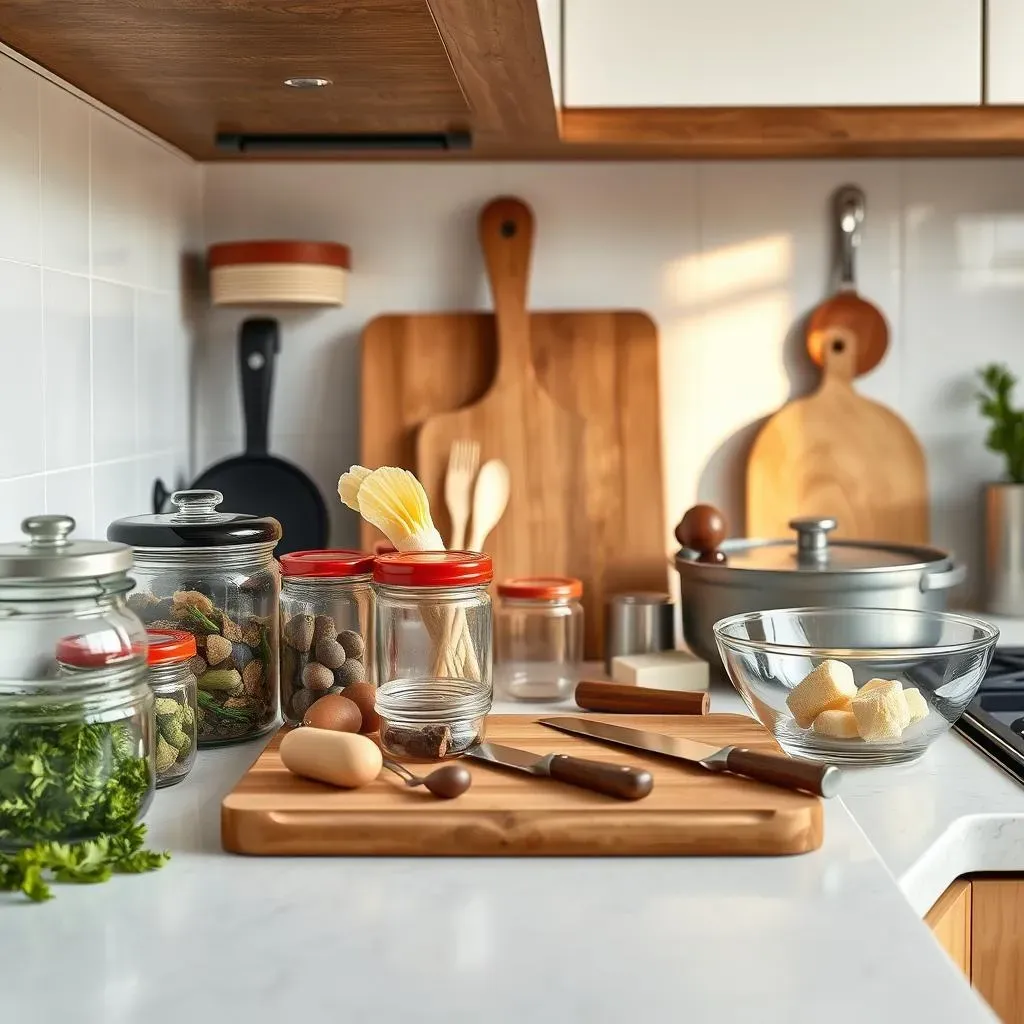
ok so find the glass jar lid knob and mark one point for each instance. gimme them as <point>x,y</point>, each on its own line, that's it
<point>195,506</point>
<point>48,531</point>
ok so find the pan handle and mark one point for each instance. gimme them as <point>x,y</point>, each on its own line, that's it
<point>951,577</point>
<point>258,344</point>
<point>849,203</point>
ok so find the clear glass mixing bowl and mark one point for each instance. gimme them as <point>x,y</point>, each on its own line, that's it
<point>943,655</point>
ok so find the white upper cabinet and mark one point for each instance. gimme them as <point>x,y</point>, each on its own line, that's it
<point>760,53</point>
<point>1005,67</point>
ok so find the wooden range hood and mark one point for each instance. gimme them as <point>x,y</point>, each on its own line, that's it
<point>463,78</point>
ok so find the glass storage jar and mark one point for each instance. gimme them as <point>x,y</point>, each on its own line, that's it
<point>538,637</point>
<point>174,690</point>
<point>326,626</point>
<point>213,574</point>
<point>434,685</point>
<point>76,748</point>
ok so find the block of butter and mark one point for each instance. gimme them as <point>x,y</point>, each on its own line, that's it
<point>668,670</point>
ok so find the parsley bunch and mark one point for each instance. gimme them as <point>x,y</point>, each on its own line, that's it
<point>32,870</point>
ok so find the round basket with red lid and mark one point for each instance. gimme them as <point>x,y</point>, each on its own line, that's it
<point>327,614</point>
<point>433,651</point>
<point>173,661</point>
<point>278,272</point>
<point>538,637</point>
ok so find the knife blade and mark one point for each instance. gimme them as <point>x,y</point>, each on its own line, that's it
<point>777,769</point>
<point>598,776</point>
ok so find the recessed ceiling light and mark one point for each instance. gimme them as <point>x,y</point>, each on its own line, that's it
<point>307,83</point>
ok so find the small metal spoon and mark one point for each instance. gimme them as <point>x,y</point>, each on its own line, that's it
<point>451,780</point>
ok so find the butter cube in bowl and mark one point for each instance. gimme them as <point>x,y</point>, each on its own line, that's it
<point>856,686</point>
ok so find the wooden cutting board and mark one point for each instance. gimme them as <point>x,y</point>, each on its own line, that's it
<point>601,364</point>
<point>836,453</point>
<point>505,813</point>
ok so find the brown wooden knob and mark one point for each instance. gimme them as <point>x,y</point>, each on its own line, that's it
<point>702,529</point>
<point>715,557</point>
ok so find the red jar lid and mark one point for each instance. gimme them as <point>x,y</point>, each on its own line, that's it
<point>94,650</point>
<point>170,645</point>
<point>272,250</point>
<point>541,588</point>
<point>433,569</point>
<point>328,562</point>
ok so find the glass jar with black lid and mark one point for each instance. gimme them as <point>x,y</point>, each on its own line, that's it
<point>213,574</point>
<point>76,750</point>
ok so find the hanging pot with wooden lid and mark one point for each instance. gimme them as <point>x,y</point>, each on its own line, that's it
<point>720,577</point>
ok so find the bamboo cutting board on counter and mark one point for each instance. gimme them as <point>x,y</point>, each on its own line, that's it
<point>689,812</point>
<point>600,365</point>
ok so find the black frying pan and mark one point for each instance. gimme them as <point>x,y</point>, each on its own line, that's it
<point>257,482</point>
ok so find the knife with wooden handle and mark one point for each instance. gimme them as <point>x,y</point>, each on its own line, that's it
<point>777,769</point>
<point>616,780</point>
<point>627,699</point>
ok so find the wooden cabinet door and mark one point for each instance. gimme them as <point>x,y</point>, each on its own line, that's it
<point>752,53</point>
<point>997,945</point>
<point>1004,69</point>
<point>950,922</point>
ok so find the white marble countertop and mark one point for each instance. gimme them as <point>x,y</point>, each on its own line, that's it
<point>833,935</point>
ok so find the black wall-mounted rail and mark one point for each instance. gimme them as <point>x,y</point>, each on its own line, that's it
<point>271,142</point>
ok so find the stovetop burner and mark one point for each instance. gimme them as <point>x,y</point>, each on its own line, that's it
<point>994,720</point>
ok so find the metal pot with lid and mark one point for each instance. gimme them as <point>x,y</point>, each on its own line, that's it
<point>720,577</point>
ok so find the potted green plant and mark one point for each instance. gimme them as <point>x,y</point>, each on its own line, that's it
<point>1004,500</point>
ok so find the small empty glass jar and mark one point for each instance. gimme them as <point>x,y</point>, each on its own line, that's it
<point>326,626</point>
<point>433,652</point>
<point>538,637</point>
<point>174,688</point>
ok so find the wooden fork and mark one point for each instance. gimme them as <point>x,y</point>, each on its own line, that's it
<point>463,460</point>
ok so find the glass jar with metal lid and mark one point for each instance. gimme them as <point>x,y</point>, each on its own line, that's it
<point>433,652</point>
<point>76,749</point>
<point>170,657</point>
<point>326,626</point>
<point>213,575</point>
<point>538,637</point>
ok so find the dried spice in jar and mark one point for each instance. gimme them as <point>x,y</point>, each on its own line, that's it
<point>213,575</point>
<point>327,609</point>
<point>174,688</point>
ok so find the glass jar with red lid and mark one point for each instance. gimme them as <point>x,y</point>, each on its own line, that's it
<point>538,637</point>
<point>172,658</point>
<point>327,608</point>
<point>433,652</point>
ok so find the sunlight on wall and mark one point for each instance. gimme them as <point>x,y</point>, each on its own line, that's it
<point>722,358</point>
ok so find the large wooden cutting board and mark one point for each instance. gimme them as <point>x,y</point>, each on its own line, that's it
<point>602,364</point>
<point>505,813</point>
<point>838,454</point>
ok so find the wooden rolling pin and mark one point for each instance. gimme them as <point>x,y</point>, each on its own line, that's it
<point>639,700</point>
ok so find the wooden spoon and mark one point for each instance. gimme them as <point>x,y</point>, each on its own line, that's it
<point>489,500</point>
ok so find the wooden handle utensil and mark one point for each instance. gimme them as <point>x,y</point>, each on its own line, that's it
<point>639,700</point>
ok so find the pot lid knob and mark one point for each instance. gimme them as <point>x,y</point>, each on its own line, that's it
<point>812,537</point>
<point>48,531</point>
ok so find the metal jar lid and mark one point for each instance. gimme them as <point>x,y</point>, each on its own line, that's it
<point>50,554</point>
<point>812,552</point>
<point>195,524</point>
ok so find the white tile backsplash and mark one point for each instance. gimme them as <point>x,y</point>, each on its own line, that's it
<point>64,170</point>
<point>19,162</point>
<point>727,257</point>
<point>96,220</point>
<point>68,370</point>
<point>22,373</point>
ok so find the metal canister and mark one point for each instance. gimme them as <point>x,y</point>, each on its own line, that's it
<point>639,622</point>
